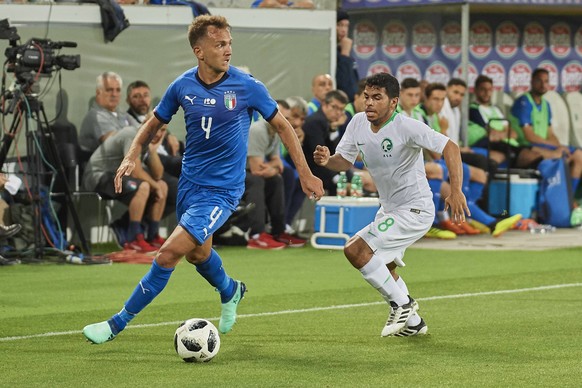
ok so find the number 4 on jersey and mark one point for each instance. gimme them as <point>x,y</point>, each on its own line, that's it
<point>206,128</point>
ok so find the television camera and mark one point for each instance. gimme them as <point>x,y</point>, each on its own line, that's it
<point>36,55</point>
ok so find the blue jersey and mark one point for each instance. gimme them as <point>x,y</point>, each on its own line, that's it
<point>218,117</point>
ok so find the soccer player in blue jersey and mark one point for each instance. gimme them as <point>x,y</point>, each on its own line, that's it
<point>218,101</point>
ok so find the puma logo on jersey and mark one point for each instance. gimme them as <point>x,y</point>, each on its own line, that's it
<point>190,99</point>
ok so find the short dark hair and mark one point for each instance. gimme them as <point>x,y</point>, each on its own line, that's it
<point>434,86</point>
<point>283,104</point>
<point>386,81</point>
<point>539,71</point>
<point>199,27</point>
<point>481,79</point>
<point>409,83</point>
<point>135,85</point>
<point>338,95</point>
<point>361,86</point>
<point>456,82</point>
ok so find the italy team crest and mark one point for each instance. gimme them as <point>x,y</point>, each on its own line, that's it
<point>230,100</point>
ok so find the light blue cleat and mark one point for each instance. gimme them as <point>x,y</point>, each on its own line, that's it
<point>228,315</point>
<point>98,333</point>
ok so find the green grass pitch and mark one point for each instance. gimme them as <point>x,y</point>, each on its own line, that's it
<point>495,318</point>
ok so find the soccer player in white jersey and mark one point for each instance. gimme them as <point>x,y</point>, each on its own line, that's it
<point>217,101</point>
<point>390,144</point>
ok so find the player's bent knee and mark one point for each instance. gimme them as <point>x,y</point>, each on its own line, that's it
<point>357,252</point>
<point>198,255</point>
<point>166,258</point>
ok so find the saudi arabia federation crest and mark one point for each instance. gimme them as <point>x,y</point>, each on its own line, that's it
<point>230,100</point>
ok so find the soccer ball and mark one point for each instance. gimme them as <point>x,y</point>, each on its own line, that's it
<point>197,340</point>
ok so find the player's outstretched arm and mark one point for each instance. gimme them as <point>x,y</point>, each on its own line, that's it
<point>456,200</point>
<point>335,162</point>
<point>144,136</point>
<point>311,185</point>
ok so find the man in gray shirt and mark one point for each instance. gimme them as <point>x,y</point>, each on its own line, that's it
<point>144,192</point>
<point>264,187</point>
<point>104,118</point>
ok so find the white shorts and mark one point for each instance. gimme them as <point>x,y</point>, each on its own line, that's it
<point>392,232</point>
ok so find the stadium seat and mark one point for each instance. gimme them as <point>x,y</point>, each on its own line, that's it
<point>506,104</point>
<point>560,116</point>
<point>574,101</point>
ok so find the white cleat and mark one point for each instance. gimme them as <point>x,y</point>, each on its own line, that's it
<point>398,317</point>
<point>409,331</point>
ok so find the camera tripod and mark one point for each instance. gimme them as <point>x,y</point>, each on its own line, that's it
<point>41,148</point>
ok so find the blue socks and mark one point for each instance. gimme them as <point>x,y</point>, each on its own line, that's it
<point>466,180</point>
<point>148,288</point>
<point>212,271</point>
<point>133,230</point>
<point>575,183</point>
<point>156,279</point>
<point>435,187</point>
<point>479,214</point>
<point>153,230</point>
<point>475,191</point>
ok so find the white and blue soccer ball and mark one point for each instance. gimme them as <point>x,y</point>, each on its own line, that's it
<point>197,340</point>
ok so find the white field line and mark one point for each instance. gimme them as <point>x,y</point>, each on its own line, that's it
<point>312,309</point>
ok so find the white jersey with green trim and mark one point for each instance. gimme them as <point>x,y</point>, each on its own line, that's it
<point>393,156</point>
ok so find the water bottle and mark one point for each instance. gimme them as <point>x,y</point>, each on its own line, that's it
<point>541,229</point>
<point>357,189</point>
<point>576,217</point>
<point>74,259</point>
<point>342,185</point>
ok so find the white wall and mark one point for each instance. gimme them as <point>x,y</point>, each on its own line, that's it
<point>283,48</point>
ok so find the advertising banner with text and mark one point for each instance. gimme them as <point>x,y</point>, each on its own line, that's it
<point>428,46</point>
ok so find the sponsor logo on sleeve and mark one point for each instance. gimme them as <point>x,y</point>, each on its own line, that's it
<point>534,40</point>
<point>480,38</point>
<point>423,39</point>
<point>506,39</point>
<point>394,37</point>
<point>365,39</point>
<point>451,40</point>
<point>519,77</point>
<point>560,45</point>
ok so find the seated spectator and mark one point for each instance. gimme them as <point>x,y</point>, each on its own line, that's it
<point>104,117</point>
<point>455,92</point>
<point>474,178</point>
<point>139,101</point>
<point>144,192</point>
<point>409,101</point>
<point>294,196</point>
<point>320,85</point>
<point>264,187</point>
<point>487,130</point>
<point>319,131</point>
<point>6,231</point>
<point>306,4</point>
<point>531,118</point>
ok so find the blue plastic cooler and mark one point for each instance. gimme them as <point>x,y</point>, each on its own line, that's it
<point>338,219</point>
